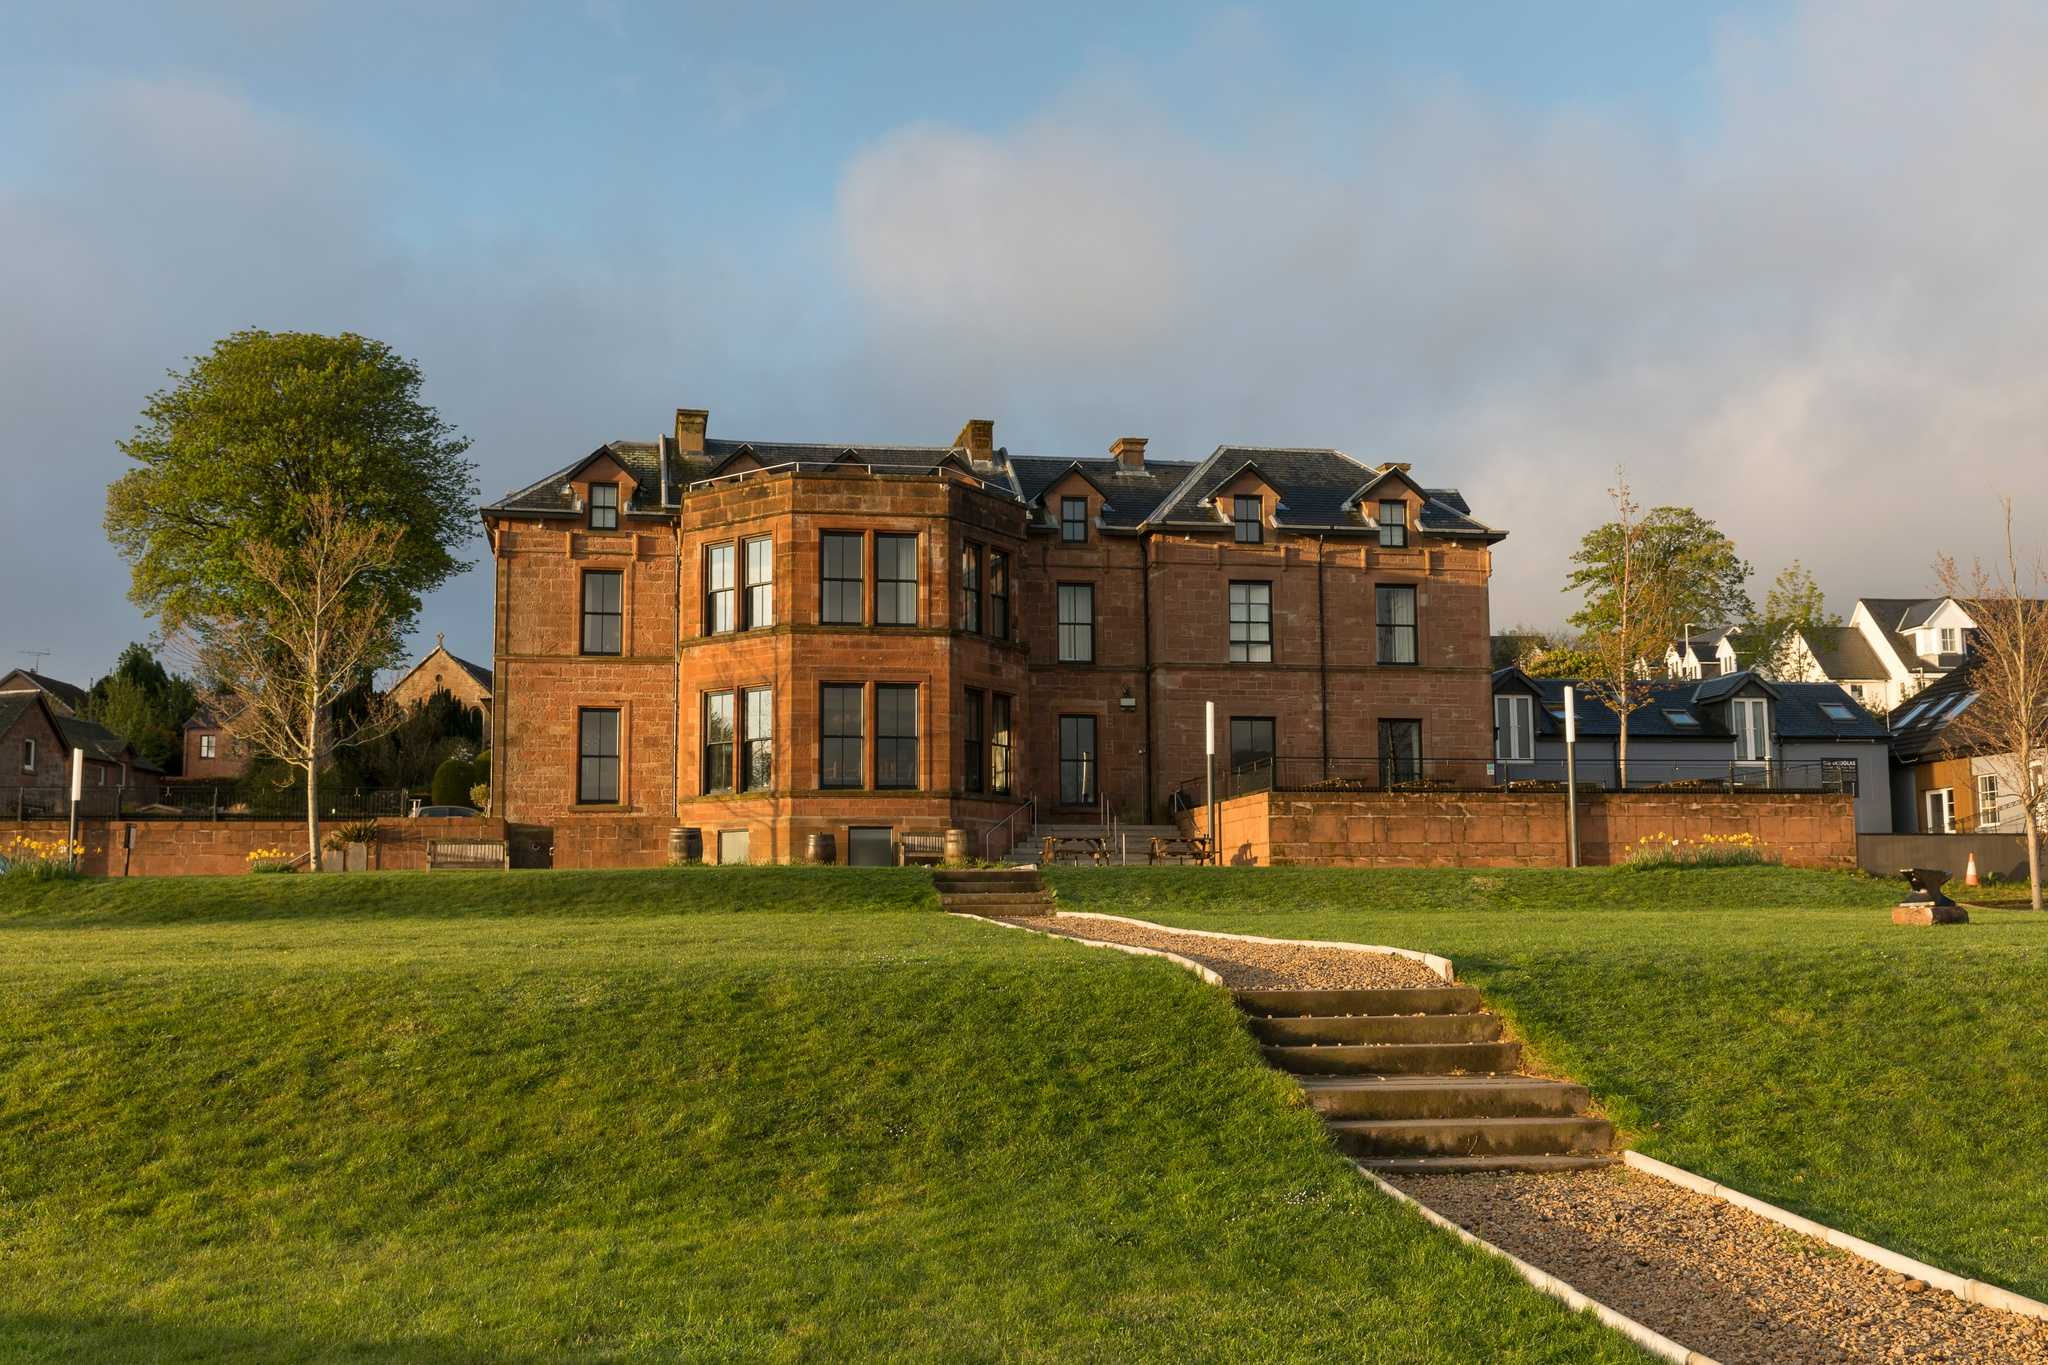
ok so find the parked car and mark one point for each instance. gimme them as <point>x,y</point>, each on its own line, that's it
<point>446,812</point>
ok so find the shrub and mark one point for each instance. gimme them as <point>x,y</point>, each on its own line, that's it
<point>1709,850</point>
<point>341,836</point>
<point>270,859</point>
<point>452,781</point>
<point>480,796</point>
<point>40,860</point>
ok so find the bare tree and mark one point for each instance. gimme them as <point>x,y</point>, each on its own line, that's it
<point>319,623</point>
<point>2007,720</point>
<point>1634,629</point>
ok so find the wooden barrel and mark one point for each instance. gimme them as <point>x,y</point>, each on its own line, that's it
<point>686,845</point>
<point>956,846</point>
<point>821,848</point>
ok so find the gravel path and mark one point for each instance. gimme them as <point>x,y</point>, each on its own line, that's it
<point>1257,966</point>
<point>1720,1279</point>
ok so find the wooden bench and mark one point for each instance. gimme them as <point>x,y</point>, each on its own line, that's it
<point>1074,849</point>
<point>467,855</point>
<point>1180,848</point>
<point>914,847</point>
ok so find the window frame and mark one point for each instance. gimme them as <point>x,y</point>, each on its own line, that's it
<point>1089,762</point>
<point>585,755</point>
<point>1073,529</point>
<point>1948,810</point>
<point>1746,730</point>
<point>975,747</point>
<point>896,585</point>
<point>1523,729</point>
<point>611,509</point>
<point>754,589</point>
<point>1002,743</point>
<point>28,755</point>
<point>1251,723</point>
<point>998,595</point>
<point>751,742</point>
<point>1392,765</point>
<point>1987,783</point>
<point>898,778</point>
<point>1240,594</point>
<point>827,581</point>
<point>1062,625</point>
<point>1394,530</point>
<point>970,587</point>
<point>207,747</point>
<point>716,757</point>
<point>828,738</point>
<point>1382,594</point>
<point>586,616</point>
<point>721,604</point>
<point>1248,530</point>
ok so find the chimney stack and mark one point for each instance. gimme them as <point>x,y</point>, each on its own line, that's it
<point>978,439</point>
<point>690,430</point>
<point>1129,451</point>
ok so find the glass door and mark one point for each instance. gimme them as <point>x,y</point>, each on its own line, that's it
<point>1077,760</point>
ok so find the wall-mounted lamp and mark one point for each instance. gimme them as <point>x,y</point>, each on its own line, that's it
<point>1127,701</point>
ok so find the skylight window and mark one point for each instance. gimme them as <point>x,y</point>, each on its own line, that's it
<point>1912,712</point>
<point>1683,720</point>
<point>1835,710</point>
<point>1960,705</point>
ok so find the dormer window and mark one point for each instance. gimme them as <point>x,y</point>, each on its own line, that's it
<point>1950,641</point>
<point>604,507</point>
<point>1073,519</point>
<point>1394,524</point>
<point>1247,517</point>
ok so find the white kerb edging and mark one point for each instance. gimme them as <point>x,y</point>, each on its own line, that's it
<point>1970,1291</point>
<point>1440,965</point>
<point>1175,958</point>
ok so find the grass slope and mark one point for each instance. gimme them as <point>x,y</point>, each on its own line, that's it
<point>1769,1028</point>
<point>669,1115</point>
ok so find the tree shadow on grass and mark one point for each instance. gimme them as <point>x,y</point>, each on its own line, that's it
<point>118,1339</point>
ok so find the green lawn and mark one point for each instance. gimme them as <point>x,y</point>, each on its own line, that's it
<point>763,1114</point>
<point>1771,1029</point>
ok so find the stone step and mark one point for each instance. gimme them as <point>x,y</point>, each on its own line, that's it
<point>1026,884</point>
<point>1470,1165</point>
<point>1442,1097</point>
<point>1301,1004</point>
<point>1005,907</point>
<point>1468,1137</point>
<point>1407,1059</point>
<point>1378,1028</point>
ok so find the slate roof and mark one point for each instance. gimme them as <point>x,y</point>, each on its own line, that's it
<point>1919,724</point>
<point>476,671</point>
<point>69,694</point>
<point>1891,615</point>
<point>1318,488</point>
<point>12,704</point>
<point>1796,713</point>
<point>1705,640</point>
<point>100,742</point>
<point>1849,657</point>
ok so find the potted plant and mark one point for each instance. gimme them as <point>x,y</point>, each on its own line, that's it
<point>347,847</point>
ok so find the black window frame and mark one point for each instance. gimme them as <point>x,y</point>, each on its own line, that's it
<point>1394,533</point>
<point>1387,634</point>
<point>1395,766</point>
<point>840,743</point>
<point>616,615</point>
<point>1251,632</point>
<point>1087,764</point>
<point>835,591</point>
<point>1073,520</point>
<point>899,589</point>
<point>1064,625</point>
<point>896,750</point>
<point>1244,755</point>
<point>757,595</point>
<point>974,753</point>
<point>757,742</point>
<point>1248,530</point>
<point>609,509</point>
<point>998,595</point>
<point>970,588</point>
<point>721,603</point>
<point>586,755</point>
<point>716,773</point>
<point>1002,743</point>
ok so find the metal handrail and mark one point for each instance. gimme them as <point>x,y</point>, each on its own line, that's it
<point>988,835</point>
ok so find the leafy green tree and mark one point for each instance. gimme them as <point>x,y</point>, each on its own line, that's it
<point>145,704</point>
<point>237,450</point>
<point>1560,661</point>
<point>1794,605</point>
<point>452,781</point>
<point>1679,560</point>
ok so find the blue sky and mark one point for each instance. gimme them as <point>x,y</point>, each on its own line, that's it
<point>1772,258</point>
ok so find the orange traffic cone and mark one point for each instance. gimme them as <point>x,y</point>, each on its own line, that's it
<point>1970,872</point>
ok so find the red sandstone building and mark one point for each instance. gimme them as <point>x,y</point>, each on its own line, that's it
<point>764,640</point>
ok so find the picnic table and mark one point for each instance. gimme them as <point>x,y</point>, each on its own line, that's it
<point>1074,848</point>
<point>1179,848</point>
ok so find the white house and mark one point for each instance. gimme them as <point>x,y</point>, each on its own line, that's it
<point>1703,652</point>
<point>1890,649</point>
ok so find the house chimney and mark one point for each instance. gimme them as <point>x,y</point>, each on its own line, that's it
<point>978,439</point>
<point>1129,451</point>
<point>690,430</point>
<point>1389,468</point>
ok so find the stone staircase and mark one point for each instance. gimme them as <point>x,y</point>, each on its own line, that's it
<point>1129,843</point>
<point>992,890</point>
<point>1422,1081</point>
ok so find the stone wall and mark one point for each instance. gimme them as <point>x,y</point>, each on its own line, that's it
<point>1502,829</point>
<point>185,848</point>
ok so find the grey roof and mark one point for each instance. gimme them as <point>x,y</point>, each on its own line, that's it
<point>1708,638</point>
<point>1130,496</point>
<point>1891,615</point>
<point>1919,724</point>
<point>1796,710</point>
<point>1319,489</point>
<point>642,459</point>
<point>12,704</point>
<point>101,743</point>
<point>70,695</point>
<point>1850,656</point>
<point>476,671</point>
